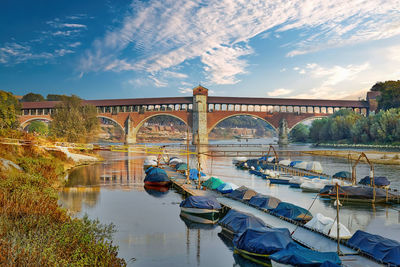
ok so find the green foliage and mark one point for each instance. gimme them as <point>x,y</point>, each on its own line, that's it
<point>39,127</point>
<point>32,97</point>
<point>299,133</point>
<point>54,97</point>
<point>74,121</point>
<point>9,110</point>
<point>390,94</point>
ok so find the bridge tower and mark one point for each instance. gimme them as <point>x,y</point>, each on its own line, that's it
<point>130,136</point>
<point>199,129</point>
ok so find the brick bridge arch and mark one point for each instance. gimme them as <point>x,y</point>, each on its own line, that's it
<point>27,120</point>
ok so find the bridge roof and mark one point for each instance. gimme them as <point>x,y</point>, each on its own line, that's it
<point>116,102</point>
<point>287,102</point>
<point>211,100</point>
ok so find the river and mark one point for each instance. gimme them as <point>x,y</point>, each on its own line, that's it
<point>150,231</point>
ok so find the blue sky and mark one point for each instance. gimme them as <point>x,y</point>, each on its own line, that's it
<point>125,49</point>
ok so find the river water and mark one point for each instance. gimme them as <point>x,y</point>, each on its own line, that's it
<point>150,231</point>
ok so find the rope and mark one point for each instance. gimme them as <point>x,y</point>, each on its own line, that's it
<point>312,203</point>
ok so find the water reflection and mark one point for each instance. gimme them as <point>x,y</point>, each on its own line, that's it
<point>156,191</point>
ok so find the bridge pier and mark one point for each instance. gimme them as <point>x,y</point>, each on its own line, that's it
<point>200,130</point>
<point>130,133</point>
<point>283,132</point>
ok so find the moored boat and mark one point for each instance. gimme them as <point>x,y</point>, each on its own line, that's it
<point>292,212</point>
<point>235,222</point>
<point>156,177</point>
<point>257,244</point>
<point>201,209</point>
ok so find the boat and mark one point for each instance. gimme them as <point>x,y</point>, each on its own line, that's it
<point>238,160</point>
<point>149,162</point>
<point>343,175</point>
<point>379,181</point>
<point>235,222</point>
<point>201,209</point>
<point>194,174</point>
<point>285,162</point>
<point>264,202</point>
<point>383,250</point>
<point>226,188</point>
<point>292,212</point>
<point>314,166</point>
<point>257,244</point>
<point>365,194</point>
<point>242,193</point>
<point>313,185</point>
<point>327,226</point>
<point>174,161</point>
<point>296,255</point>
<point>296,181</point>
<point>181,167</point>
<point>213,183</point>
<point>301,165</point>
<point>156,177</point>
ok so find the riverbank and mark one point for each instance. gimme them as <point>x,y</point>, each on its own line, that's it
<point>35,230</point>
<point>376,157</point>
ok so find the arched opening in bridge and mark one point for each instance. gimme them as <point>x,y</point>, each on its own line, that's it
<point>161,128</point>
<point>110,130</point>
<point>300,132</point>
<point>243,128</point>
<point>37,125</point>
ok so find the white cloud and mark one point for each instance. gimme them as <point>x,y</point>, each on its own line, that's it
<point>393,53</point>
<point>72,25</point>
<point>170,32</point>
<point>76,44</point>
<point>183,90</point>
<point>157,82</point>
<point>279,92</point>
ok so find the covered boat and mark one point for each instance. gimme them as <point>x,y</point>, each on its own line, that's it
<point>149,163</point>
<point>296,181</point>
<point>242,193</point>
<point>259,243</point>
<point>380,248</point>
<point>237,160</point>
<point>194,174</point>
<point>293,163</point>
<point>342,175</point>
<point>328,226</point>
<point>313,185</point>
<point>314,166</point>
<point>285,162</point>
<point>213,183</point>
<point>236,222</point>
<point>296,255</point>
<point>292,212</point>
<point>226,188</point>
<point>200,209</point>
<point>379,181</point>
<point>301,165</point>
<point>156,177</point>
<point>181,167</point>
<point>264,202</point>
<point>174,160</point>
<point>361,194</point>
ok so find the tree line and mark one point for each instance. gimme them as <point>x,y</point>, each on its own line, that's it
<point>346,126</point>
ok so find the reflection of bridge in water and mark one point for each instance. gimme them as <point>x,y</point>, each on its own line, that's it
<point>202,112</point>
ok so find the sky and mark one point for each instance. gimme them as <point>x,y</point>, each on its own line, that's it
<point>103,49</point>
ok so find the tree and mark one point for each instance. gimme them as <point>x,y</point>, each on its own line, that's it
<point>9,111</point>
<point>32,97</point>
<point>300,133</point>
<point>390,94</point>
<point>53,97</point>
<point>39,127</point>
<point>74,121</point>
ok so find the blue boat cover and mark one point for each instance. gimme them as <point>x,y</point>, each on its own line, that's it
<point>297,255</point>
<point>263,240</point>
<point>265,202</point>
<point>194,174</point>
<point>225,188</point>
<point>294,163</point>
<point>237,222</point>
<point>380,248</point>
<point>242,193</point>
<point>291,211</point>
<point>156,175</point>
<point>200,202</point>
<point>342,174</point>
<point>379,181</point>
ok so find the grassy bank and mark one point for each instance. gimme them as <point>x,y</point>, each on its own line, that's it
<point>34,230</point>
<point>376,157</point>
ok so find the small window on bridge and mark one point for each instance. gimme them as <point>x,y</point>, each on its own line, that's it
<point>26,111</point>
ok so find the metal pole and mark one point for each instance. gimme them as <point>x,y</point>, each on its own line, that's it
<point>337,220</point>
<point>187,154</point>
<point>373,182</point>
<point>198,160</point>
